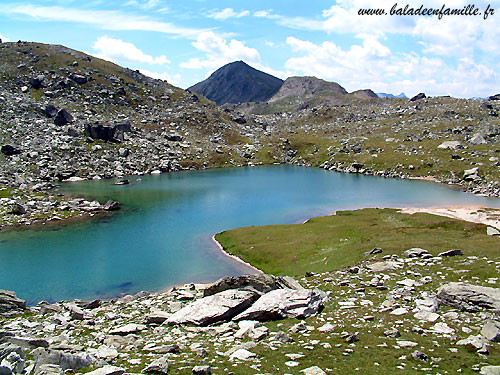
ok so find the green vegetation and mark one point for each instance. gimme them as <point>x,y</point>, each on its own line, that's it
<point>327,243</point>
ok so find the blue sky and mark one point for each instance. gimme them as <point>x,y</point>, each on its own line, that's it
<point>184,41</point>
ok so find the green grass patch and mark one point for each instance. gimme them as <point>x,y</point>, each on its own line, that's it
<point>332,242</point>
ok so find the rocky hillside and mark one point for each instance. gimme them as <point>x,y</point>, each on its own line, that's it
<point>238,82</point>
<point>66,115</point>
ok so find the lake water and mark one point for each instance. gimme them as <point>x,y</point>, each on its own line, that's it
<point>162,236</point>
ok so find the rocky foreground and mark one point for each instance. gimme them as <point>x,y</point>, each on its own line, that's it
<point>413,313</point>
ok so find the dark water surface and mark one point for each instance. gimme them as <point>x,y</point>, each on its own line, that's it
<point>162,236</point>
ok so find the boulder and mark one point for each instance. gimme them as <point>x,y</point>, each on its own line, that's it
<point>451,253</point>
<point>491,231</point>
<point>50,111</point>
<point>469,297</point>
<point>159,366</point>
<point>67,361</point>
<point>416,252</point>
<point>18,209</point>
<point>285,303</point>
<point>13,363</point>
<point>494,97</point>
<point>215,308</point>
<point>111,205</point>
<point>452,145</point>
<point>48,370</point>
<point>10,150</point>
<point>202,370</point>
<point>477,139</point>
<point>174,137</point>
<point>384,266</point>
<point>107,132</point>
<point>10,304</point>
<point>471,174</point>
<point>491,331</point>
<point>78,78</point>
<point>490,370</point>
<point>37,82</point>
<point>475,342</point>
<point>314,370</point>
<point>258,283</point>
<point>418,97</point>
<point>127,329</point>
<point>63,117</point>
<point>107,370</point>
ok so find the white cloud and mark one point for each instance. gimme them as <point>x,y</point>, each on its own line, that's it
<point>174,80</point>
<point>226,13</point>
<point>373,65</point>
<point>117,50</point>
<point>219,52</point>
<point>105,19</point>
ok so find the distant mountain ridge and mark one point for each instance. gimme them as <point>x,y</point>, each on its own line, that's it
<point>237,82</point>
<point>385,95</point>
<point>306,87</point>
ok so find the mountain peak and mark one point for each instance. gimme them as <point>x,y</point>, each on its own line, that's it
<point>238,82</point>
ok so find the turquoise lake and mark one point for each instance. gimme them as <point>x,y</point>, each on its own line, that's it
<point>162,236</point>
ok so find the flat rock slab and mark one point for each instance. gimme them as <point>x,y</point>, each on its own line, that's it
<point>128,329</point>
<point>107,370</point>
<point>469,297</point>
<point>314,370</point>
<point>384,266</point>
<point>10,304</point>
<point>490,370</point>
<point>285,303</point>
<point>216,308</point>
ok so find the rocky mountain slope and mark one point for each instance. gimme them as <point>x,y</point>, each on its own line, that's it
<point>66,115</point>
<point>238,82</point>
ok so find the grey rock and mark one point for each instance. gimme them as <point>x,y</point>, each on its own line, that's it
<point>453,145</point>
<point>174,137</point>
<point>283,337</point>
<point>285,303</point>
<point>451,253</point>
<point>62,359</point>
<point>374,251</point>
<point>490,231</point>
<point>78,78</point>
<point>471,174</point>
<point>314,370</point>
<point>157,317</point>
<point>159,366</point>
<point>415,252</point>
<point>388,266</point>
<point>128,329</point>
<point>18,209</point>
<point>352,338</point>
<point>394,333</point>
<point>259,283</point>
<point>469,297</point>
<point>10,150</point>
<point>475,342</point>
<point>111,205</point>
<point>48,370</point>
<point>477,139</point>
<point>63,117</point>
<point>215,308</point>
<point>107,370</point>
<point>419,356</point>
<point>50,111</point>
<point>29,342</point>
<point>14,362</point>
<point>490,370</point>
<point>202,370</point>
<point>418,97</point>
<point>491,331</point>
<point>10,304</point>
